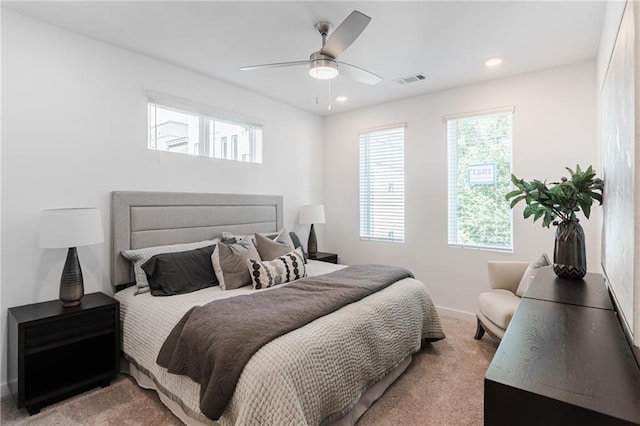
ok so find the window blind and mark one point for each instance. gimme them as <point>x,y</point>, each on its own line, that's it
<point>382,184</point>
<point>479,176</point>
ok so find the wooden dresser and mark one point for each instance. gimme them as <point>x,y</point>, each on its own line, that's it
<point>564,360</point>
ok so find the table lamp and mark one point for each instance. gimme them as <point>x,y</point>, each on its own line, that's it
<point>71,228</point>
<point>309,215</point>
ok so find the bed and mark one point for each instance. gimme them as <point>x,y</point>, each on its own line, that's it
<point>326,372</point>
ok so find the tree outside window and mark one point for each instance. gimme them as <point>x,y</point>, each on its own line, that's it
<point>479,177</point>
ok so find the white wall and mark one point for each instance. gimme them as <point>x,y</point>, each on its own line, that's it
<point>554,126</point>
<point>74,128</point>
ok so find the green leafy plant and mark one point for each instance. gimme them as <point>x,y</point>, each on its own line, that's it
<point>558,200</point>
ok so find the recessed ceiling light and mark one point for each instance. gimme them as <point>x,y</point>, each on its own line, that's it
<point>493,62</point>
<point>341,98</point>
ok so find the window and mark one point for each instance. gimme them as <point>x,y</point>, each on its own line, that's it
<point>479,178</point>
<point>382,185</point>
<point>190,129</point>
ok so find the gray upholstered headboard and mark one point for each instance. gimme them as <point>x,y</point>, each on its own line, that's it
<point>145,219</point>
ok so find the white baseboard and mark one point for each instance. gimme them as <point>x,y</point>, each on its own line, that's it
<point>456,313</point>
<point>4,391</point>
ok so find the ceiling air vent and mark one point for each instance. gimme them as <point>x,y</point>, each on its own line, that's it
<point>410,79</point>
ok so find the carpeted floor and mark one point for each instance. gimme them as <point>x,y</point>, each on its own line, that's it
<point>442,386</point>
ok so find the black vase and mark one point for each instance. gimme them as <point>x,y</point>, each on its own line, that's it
<point>569,258</point>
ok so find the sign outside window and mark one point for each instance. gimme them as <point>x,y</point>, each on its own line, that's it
<point>481,174</point>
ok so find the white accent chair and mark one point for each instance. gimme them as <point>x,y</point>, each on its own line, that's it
<point>497,306</point>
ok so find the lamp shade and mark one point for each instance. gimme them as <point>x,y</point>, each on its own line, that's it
<point>64,228</point>
<point>312,214</point>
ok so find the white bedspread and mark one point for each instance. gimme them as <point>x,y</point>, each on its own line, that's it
<point>312,375</point>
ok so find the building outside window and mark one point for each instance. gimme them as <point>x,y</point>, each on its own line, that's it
<point>184,129</point>
<point>224,147</point>
<point>234,147</point>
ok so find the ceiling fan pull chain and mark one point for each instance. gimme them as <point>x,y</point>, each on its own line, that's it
<point>329,96</point>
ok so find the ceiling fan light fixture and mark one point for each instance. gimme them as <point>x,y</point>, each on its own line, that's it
<point>322,67</point>
<point>323,73</point>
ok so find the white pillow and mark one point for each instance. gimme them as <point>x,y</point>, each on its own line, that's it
<point>139,256</point>
<point>530,273</point>
<point>230,235</point>
<point>280,236</point>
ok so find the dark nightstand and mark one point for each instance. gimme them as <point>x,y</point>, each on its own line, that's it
<point>55,352</point>
<point>325,257</point>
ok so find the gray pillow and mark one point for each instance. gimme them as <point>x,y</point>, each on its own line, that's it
<point>180,273</point>
<point>139,256</point>
<point>530,273</point>
<point>296,243</point>
<point>230,263</point>
<point>270,249</point>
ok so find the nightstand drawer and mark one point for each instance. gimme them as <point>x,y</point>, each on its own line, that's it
<point>67,329</point>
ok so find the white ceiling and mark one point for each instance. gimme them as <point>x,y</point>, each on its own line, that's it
<point>447,41</point>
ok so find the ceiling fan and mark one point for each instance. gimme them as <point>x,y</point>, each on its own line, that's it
<point>324,64</point>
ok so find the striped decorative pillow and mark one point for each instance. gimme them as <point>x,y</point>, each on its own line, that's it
<point>288,267</point>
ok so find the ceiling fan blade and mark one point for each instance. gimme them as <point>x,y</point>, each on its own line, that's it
<point>276,65</point>
<point>346,33</point>
<point>358,74</point>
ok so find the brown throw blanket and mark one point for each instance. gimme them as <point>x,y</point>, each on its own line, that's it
<point>212,343</point>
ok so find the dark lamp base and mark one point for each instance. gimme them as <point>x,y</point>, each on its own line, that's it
<point>71,283</point>
<point>312,246</point>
